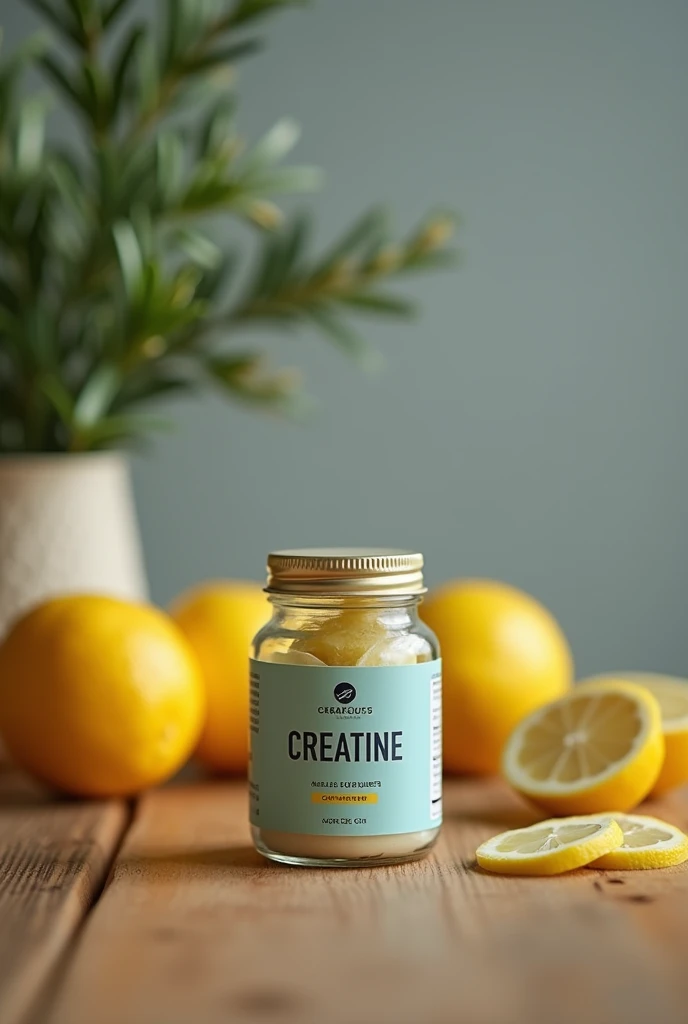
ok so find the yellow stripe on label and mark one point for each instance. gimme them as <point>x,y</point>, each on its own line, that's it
<point>343,798</point>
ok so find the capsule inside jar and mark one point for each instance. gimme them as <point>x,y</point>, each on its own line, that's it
<point>346,712</point>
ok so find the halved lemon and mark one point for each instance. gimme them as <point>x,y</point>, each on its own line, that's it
<point>672,696</point>
<point>597,747</point>
<point>550,847</point>
<point>647,843</point>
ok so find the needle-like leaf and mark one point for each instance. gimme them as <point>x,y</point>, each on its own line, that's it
<point>117,284</point>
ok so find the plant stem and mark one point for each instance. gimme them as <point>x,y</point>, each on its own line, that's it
<point>171,80</point>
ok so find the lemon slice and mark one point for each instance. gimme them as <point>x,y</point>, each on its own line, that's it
<point>647,843</point>
<point>550,847</point>
<point>672,696</point>
<point>597,747</point>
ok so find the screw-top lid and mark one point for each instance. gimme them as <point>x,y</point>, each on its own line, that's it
<point>372,572</point>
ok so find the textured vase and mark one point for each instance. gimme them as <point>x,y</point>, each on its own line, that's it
<point>67,524</point>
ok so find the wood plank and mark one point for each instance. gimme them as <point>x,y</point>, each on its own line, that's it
<point>196,927</point>
<point>54,857</point>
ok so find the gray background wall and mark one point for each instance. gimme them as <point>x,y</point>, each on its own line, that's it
<point>531,425</point>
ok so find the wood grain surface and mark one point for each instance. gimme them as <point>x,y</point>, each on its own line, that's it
<point>54,857</point>
<point>195,927</point>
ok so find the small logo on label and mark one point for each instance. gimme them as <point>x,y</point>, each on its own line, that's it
<point>344,693</point>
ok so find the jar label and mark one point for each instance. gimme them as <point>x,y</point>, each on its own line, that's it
<point>346,751</point>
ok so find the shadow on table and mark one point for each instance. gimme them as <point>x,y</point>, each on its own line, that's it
<point>480,800</point>
<point>18,790</point>
<point>164,865</point>
<point>507,818</point>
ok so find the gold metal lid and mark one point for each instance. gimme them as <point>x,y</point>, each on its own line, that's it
<point>364,572</point>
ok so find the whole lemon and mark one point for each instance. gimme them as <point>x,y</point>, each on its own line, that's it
<point>503,655</point>
<point>220,620</point>
<point>99,696</point>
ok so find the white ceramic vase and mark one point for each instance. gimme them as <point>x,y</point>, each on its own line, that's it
<point>67,524</point>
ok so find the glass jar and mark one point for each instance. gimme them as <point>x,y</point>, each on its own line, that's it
<point>345,765</point>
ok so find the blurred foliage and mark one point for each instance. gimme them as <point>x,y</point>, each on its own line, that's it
<point>113,290</point>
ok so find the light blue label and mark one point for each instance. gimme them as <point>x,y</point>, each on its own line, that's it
<point>346,751</point>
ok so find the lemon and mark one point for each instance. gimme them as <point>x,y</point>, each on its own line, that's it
<point>220,620</point>
<point>99,697</point>
<point>503,655</point>
<point>672,695</point>
<point>647,843</point>
<point>550,847</point>
<point>598,747</point>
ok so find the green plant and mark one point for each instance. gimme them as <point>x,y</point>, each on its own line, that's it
<point>112,289</point>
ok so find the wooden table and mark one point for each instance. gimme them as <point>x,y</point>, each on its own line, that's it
<point>160,912</point>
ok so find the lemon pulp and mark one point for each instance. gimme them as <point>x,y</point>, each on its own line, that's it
<point>596,748</point>
<point>550,847</point>
<point>647,843</point>
<point>672,695</point>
